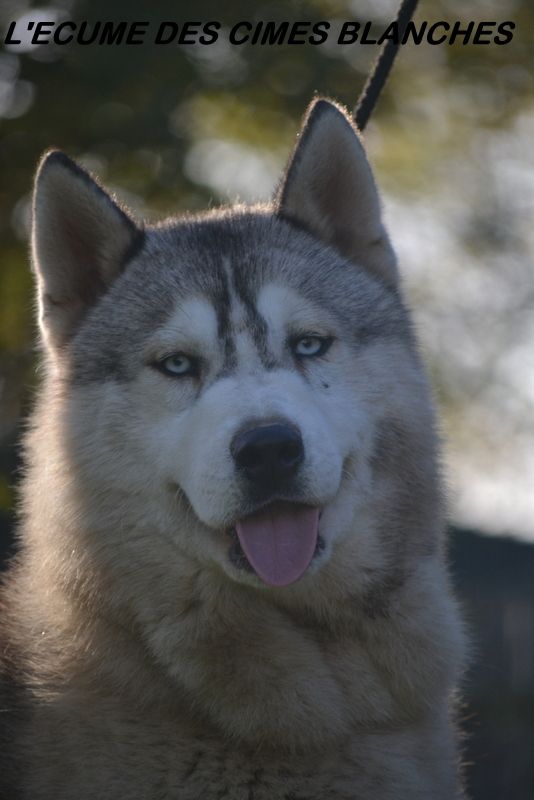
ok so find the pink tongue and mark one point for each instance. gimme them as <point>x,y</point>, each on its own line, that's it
<point>280,541</point>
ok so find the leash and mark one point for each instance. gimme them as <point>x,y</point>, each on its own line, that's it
<point>382,67</point>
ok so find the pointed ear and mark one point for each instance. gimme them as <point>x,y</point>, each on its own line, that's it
<point>80,242</point>
<point>329,189</point>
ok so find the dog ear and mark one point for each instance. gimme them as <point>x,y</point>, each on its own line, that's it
<point>80,242</point>
<point>329,189</point>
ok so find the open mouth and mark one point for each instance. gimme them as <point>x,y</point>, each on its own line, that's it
<point>277,543</point>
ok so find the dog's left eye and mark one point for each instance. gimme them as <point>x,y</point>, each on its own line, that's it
<point>310,346</point>
<point>177,365</point>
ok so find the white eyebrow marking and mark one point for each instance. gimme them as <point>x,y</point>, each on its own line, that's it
<point>282,307</point>
<point>193,323</point>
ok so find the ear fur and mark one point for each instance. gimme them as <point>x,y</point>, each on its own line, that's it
<point>329,189</point>
<point>81,240</point>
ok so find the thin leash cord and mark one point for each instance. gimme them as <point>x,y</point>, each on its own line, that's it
<point>379,74</point>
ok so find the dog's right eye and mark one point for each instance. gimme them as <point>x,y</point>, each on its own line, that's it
<point>177,365</point>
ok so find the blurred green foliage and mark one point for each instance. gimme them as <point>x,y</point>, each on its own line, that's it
<point>149,120</point>
<point>135,114</point>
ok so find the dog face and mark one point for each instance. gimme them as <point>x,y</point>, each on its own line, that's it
<point>245,380</point>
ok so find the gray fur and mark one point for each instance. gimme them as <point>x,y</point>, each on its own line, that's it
<point>186,257</point>
<point>329,189</point>
<point>141,659</point>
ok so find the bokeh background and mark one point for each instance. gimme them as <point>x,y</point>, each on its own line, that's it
<point>171,128</point>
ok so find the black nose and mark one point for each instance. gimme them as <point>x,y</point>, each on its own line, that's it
<point>268,455</point>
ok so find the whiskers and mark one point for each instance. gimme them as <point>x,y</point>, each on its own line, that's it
<point>347,474</point>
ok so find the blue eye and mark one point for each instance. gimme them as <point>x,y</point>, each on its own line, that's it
<point>311,346</point>
<point>177,365</point>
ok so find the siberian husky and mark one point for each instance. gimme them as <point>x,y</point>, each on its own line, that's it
<point>231,580</point>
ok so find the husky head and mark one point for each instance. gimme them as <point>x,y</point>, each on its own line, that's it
<point>242,385</point>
